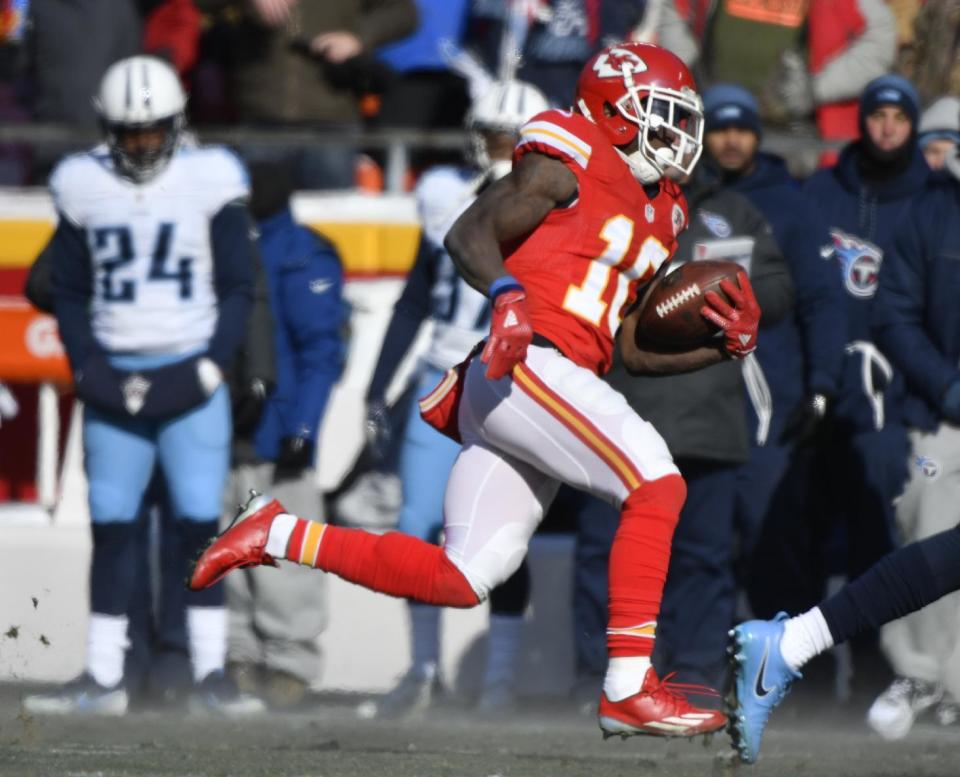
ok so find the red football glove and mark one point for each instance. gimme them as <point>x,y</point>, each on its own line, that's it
<point>510,334</point>
<point>739,323</point>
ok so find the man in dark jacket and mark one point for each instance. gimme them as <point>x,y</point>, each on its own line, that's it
<point>802,356</point>
<point>859,463</point>
<point>917,324</point>
<point>304,63</point>
<point>703,418</point>
<point>277,615</point>
<point>863,199</point>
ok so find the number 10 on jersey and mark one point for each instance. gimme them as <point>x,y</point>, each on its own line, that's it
<point>586,301</point>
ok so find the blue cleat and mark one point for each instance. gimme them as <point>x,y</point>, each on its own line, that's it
<point>761,680</point>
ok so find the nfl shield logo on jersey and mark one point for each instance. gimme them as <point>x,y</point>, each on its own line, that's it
<point>677,217</point>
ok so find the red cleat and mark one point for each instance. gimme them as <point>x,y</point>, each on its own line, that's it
<point>658,709</point>
<point>243,544</point>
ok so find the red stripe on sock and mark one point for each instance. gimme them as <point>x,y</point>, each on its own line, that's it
<point>639,559</point>
<point>295,543</point>
<point>395,564</point>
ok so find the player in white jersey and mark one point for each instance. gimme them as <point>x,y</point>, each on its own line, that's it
<point>460,316</point>
<point>152,262</point>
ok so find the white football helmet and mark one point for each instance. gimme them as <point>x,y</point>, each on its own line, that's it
<point>505,107</point>
<point>141,93</point>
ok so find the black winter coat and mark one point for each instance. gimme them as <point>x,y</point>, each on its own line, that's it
<point>702,415</point>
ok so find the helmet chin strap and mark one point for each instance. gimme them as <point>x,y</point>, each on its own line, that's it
<point>640,166</point>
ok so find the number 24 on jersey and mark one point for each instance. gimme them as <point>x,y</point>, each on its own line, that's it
<point>112,249</point>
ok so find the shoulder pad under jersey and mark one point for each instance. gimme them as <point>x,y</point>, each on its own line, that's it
<point>80,177</point>
<point>221,173</point>
<point>562,134</point>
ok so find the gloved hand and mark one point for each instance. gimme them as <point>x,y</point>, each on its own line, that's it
<point>173,390</point>
<point>100,385</point>
<point>739,323</point>
<point>805,419</point>
<point>247,406</point>
<point>510,333</point>
<point>378,430</point>
<point>295,456</point>
<point>950,404</point>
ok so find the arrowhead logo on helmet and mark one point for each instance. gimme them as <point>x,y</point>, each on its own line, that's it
<point>610,63</point>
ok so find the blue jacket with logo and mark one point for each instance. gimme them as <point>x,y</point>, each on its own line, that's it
<point>862,219</point>
<point>305,279</point>
<point>804,352</point>
<point>916,314</point>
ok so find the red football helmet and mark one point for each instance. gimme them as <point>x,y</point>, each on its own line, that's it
<point>638,88</point>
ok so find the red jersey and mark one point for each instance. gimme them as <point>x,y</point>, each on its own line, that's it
<point>582,265</point>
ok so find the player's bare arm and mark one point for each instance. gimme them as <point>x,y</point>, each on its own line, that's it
<point>510,208</point>
<point>647,361</point>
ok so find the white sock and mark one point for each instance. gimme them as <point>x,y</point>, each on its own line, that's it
<point>279,535</point>
<point>207,635</point>
<point>106,648</point>
<point>424,638</point>
<point>804,637</point>
<point>506,632</point>
<point>625,676</point>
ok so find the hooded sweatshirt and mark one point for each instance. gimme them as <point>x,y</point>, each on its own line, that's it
<point>862,219</point>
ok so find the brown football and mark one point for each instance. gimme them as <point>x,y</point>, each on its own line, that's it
<point>671,315</point>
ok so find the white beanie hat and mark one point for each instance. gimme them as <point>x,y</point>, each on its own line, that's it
<point>941,120</point>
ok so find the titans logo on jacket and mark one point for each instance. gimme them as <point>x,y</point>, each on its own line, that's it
<point>859,262</point>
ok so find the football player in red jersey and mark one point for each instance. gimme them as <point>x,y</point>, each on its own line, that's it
<point>562,246</point>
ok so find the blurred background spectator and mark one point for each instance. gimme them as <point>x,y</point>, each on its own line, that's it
<point>65,73</point>
<point>929,48</point>
<point>277,615</point>
<point>554,37</point>
<point>802,355</point>
<point>918,326</point>
<point>846,488</point>
<point>302,64</point>
<point>940,131</point>
<point>802,60</point>
<point>423,91</point>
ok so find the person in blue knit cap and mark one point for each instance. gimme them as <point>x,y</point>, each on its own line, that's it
<point>863,199</point>
<point>801,356</point>
<point>860,462</point>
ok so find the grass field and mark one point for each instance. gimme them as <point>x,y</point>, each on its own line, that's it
<point>328,740</point>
